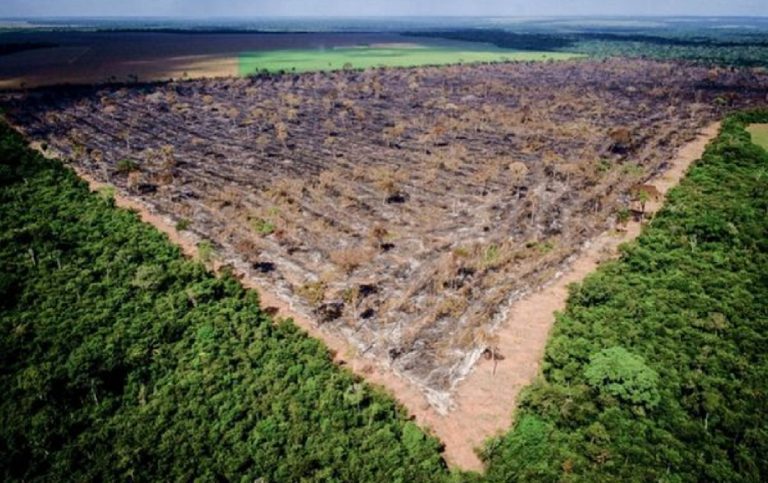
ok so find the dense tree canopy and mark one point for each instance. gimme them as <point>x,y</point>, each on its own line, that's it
<point>707,46</point>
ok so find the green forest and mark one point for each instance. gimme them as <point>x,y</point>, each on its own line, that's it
<point>705,47</point>
<point>121,360</point>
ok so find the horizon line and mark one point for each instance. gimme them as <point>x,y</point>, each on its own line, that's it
<point>311,16</point>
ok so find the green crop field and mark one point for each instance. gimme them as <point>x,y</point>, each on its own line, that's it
<point>759,134</point>
<point>396,55</point>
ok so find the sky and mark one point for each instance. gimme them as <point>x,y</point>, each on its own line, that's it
<point>255,8</point>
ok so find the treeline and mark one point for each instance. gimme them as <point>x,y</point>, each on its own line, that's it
<point>713,49</point>
<point>122,361</point>
<point>657,369</point>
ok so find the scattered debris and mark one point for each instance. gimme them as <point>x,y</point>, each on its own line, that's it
<point>454,196</point>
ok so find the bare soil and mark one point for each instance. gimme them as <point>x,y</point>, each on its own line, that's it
<point>100,57</point>
<point>405,216</point>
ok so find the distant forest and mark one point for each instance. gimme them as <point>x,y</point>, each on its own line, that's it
<point>708,48</point>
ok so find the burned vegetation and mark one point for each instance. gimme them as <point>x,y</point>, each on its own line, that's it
<point>405,209</point>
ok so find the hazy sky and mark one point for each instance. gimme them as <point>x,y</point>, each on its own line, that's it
<point>198,8</point>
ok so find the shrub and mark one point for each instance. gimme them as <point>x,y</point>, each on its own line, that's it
<point>263,227</point>
<point>107,193</point>
<point>183,225</point>
<point>312,292</point>
<point>125,166</point>
<point>205,251</point>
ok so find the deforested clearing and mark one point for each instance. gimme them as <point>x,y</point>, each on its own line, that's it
<point>403,209</point>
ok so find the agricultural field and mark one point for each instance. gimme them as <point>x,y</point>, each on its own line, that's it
<point>86,57</point>
<point>37,58</point>
<point>403,210</point>
<point>384,55</point>
<point>87,51</point>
